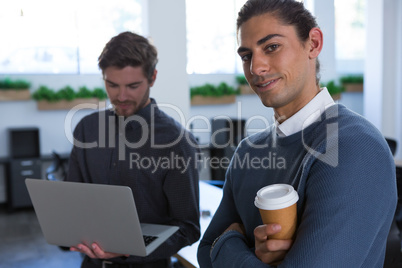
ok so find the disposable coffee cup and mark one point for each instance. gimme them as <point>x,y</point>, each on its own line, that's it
<point>277,204</point>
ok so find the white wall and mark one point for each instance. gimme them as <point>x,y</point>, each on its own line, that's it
<point>374,64</point>
<point>167,29</point>
<point>325,16</point>
<point>383,86</point>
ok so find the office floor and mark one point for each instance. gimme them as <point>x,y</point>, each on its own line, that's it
<point>22,244</point>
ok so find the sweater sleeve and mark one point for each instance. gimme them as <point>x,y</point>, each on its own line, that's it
<point>232,249</point>
<point>348,205</point>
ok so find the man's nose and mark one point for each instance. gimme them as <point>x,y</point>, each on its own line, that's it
<point>122,96</point>
<point>259,65</point>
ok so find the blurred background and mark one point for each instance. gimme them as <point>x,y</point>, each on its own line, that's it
<point>55,45</point>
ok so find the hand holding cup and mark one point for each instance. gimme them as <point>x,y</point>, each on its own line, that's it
<point>278,204</point>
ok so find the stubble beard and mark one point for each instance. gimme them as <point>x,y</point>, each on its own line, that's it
<point>136,106</point>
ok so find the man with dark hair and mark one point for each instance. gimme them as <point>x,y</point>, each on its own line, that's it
<point>127,146</point>
<point>338,162</point>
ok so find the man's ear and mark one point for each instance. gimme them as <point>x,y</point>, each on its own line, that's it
<point>316,42</point>
<point>153,78</point>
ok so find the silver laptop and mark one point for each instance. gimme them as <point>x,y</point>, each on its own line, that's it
<point>70,213</point>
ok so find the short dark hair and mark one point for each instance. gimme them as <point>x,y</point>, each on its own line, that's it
<point>289,12</point>
<point>129,49</point>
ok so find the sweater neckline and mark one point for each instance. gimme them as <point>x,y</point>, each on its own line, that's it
<point>331,112</point>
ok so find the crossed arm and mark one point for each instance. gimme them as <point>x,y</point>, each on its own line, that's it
<point>269,251</point>
<point>344,221</point>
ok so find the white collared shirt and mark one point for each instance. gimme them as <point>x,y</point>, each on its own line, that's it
<point>306,115</point>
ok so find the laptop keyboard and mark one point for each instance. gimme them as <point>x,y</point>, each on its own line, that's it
<point>148,239</point>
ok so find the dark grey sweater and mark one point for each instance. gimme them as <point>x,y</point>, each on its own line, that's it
<point>153,155</point>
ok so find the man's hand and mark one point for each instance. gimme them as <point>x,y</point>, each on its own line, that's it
<point>96,252</point>
<point>237,227</point>
<point>270,251</point>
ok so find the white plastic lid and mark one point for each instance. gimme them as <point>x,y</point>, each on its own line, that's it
<point>276,196</point>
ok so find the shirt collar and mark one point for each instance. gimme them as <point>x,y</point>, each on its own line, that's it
<point>146,111</point>
<point>306,115</point>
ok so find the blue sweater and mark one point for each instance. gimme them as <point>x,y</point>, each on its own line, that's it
<point>344,173</point>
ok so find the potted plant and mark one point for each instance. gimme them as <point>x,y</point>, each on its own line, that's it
<point>14,90</point>
<point>66,98</point>
<point>244,87</point>
<point>210,94</point>
<point>352,83</point>
<point>334,89</point>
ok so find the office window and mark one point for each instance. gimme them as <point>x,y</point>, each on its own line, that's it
<point>46,36</point>
<point>350,35</point>
<point>211,36</point>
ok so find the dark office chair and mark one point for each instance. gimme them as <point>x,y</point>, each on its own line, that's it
<point>393,256</point>
<point>392,145</point>
<point>58,169</point>
<point>226,133</point>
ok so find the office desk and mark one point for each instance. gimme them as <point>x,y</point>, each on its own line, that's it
<point>210,197</point>
<point>398,163</point>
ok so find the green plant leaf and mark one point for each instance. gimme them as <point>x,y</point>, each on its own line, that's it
<point>333,88</point>
<point>44,93</point>
<point>209,90</point>
<point>66,93</point>
<point>84,92</point>
<point>241,80</point>
<point>19,84</point>
<point>352,79</point>
<point>99,93</point>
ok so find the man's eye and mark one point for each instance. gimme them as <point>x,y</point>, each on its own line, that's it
<point>245,58</point>
<point>272,48</point>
